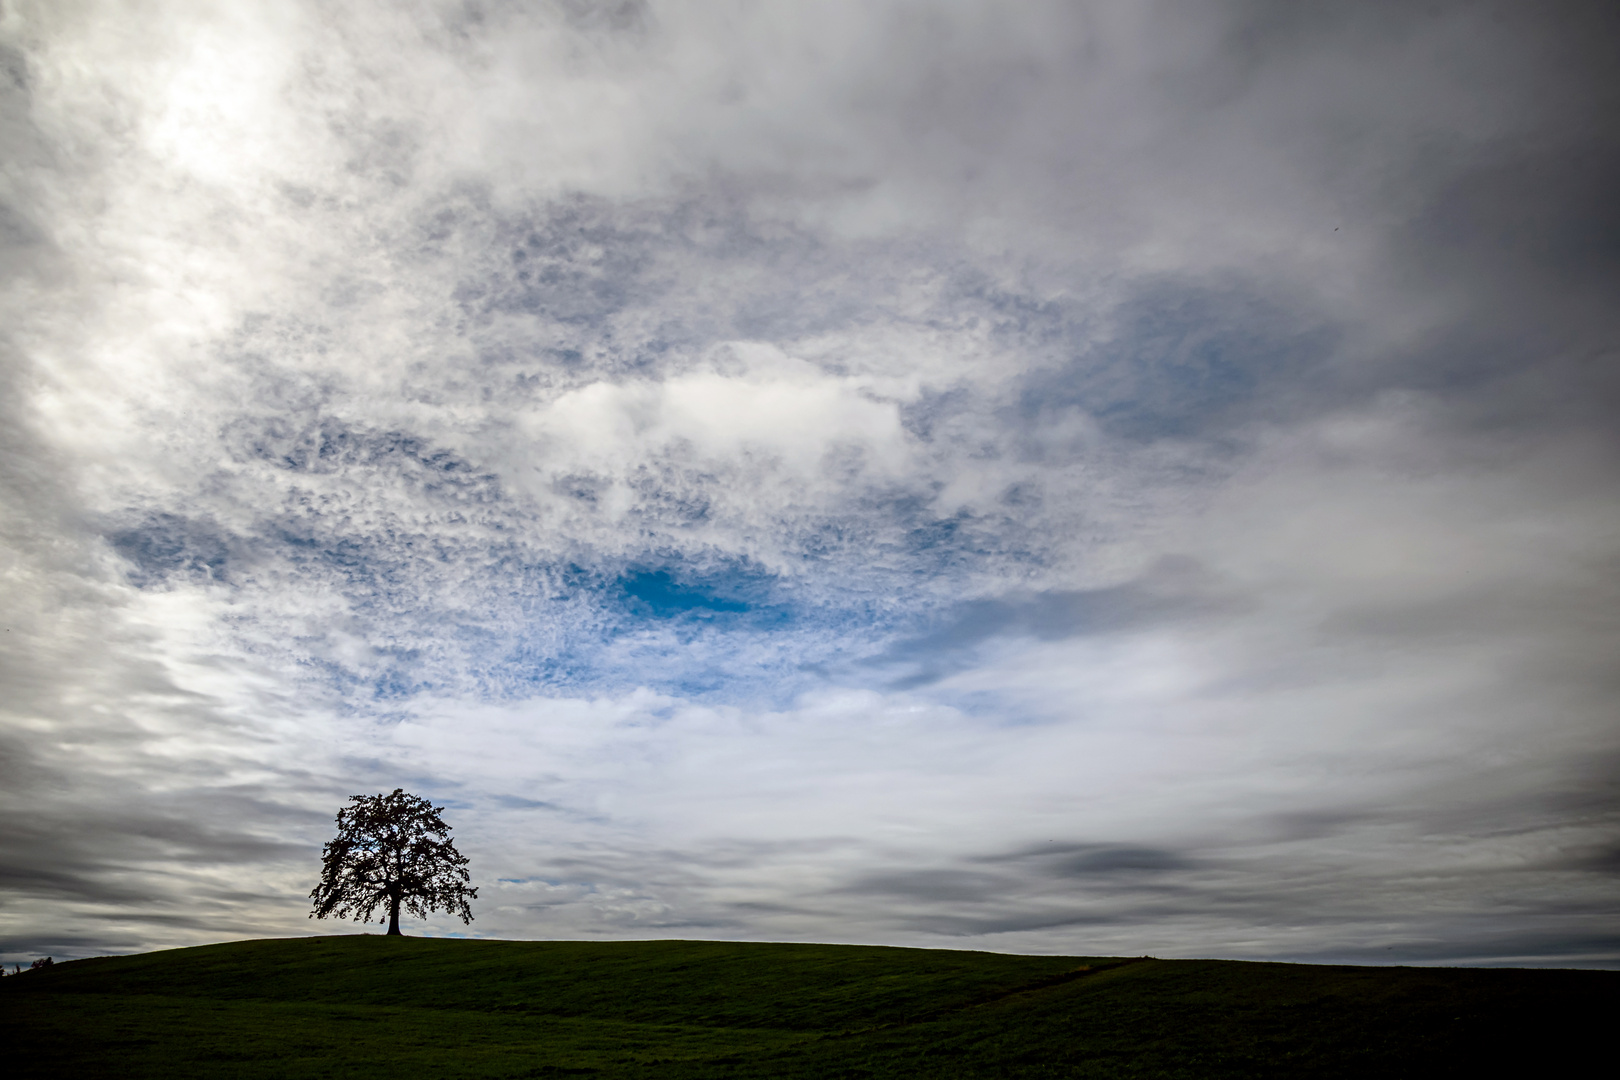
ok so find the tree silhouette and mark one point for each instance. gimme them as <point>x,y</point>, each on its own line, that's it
<point>391,851</point>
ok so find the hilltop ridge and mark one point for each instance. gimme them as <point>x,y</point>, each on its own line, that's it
<point>371,1006</point>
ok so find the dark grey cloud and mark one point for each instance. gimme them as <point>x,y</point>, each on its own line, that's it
<point>1193,359</point>
<point>1070,859</point>
<point>1174,589</point>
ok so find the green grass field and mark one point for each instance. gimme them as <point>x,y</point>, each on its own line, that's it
<point>407,1008</point>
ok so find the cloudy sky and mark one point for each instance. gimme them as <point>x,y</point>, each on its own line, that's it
<point>1092,477</point>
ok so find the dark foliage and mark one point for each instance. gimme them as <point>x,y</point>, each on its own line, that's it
<point>392,851</point>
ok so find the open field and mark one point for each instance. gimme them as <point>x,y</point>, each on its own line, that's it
<point>406,1008</point>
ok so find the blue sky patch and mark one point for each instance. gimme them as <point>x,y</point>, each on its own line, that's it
<point>660,594</point>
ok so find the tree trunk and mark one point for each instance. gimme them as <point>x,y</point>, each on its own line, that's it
<point>393,917</point>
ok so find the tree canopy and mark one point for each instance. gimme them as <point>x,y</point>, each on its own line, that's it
<point>392,851</point>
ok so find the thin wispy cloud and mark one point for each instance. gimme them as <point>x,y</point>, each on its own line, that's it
<point>1110,477</point>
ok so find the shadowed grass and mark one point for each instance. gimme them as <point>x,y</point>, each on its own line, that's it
<point>362,1006</point>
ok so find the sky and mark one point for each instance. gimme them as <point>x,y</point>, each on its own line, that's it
<point>1104,478</point>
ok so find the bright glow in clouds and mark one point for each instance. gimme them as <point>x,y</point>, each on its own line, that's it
<point>1105,477</point>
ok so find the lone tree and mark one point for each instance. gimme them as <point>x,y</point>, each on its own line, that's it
<point>391,851</point>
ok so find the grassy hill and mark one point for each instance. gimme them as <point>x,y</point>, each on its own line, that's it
<point>361,1007</point>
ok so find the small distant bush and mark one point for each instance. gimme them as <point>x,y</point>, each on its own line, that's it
<point>42,962</point>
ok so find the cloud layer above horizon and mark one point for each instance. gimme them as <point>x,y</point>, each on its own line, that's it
<point>1112,477</point>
